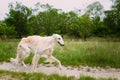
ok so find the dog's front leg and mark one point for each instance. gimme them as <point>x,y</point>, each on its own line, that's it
<point>24,64</point>
<point>35,61</point>
<point>56,60</point>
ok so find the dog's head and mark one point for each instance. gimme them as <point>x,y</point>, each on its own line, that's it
<point>59,39</point>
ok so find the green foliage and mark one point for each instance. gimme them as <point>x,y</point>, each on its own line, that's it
<point>112,19</point>
<point>6,31</point>
<point>95,9</point>
<point>73,24</point>
<point>99,28</point>
<point>85,26</point>
<point>18,17</point>
<point>26,21</point>
<point>49,21</point>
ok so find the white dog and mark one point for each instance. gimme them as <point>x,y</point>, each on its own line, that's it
<point>39,46</point>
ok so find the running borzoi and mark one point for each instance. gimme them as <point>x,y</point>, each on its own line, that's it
<point>39,46</point>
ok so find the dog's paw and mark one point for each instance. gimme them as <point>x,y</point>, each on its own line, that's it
<point>60,67</point>
<point>12,60</point>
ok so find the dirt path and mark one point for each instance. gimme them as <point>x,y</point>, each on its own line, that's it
<point>68,71</point>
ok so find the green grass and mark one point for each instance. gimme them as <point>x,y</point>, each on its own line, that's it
<point>75,53</point>
<point>7,50</point>
<point>7,75</point>
<point>91,78</point>
<point>91,53</point>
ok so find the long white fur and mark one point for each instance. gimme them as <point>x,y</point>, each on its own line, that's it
<point>39,46</point>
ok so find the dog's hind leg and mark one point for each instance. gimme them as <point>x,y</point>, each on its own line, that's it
<point>35,61</point>
<point>23,51</point>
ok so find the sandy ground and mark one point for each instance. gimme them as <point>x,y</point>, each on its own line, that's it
<point>96,72</point>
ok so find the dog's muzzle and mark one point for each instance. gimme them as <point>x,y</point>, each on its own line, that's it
<point>60,43</point>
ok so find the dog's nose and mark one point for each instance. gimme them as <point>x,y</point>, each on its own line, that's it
<point>63,45</point>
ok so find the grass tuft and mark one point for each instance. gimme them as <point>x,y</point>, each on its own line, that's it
<point>8,75</point>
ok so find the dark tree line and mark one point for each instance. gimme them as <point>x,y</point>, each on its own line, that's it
<point>22,21</point>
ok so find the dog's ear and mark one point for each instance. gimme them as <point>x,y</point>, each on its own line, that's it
<point>54,36</point>
<point>62,36</point>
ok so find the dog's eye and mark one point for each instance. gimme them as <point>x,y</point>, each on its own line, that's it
<point>59,38</point>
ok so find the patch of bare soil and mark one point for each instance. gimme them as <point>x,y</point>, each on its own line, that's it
<point>95,72</point>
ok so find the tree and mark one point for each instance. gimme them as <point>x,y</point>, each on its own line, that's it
<point>96,13</point>
<point>112,19</point>
<point>63,23</point>
<point>47,21</point>
<point>18,17</point>
<point>72,24</point>
<point>6,31</point>
<point>85,26</point>
<point>95,9</point>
